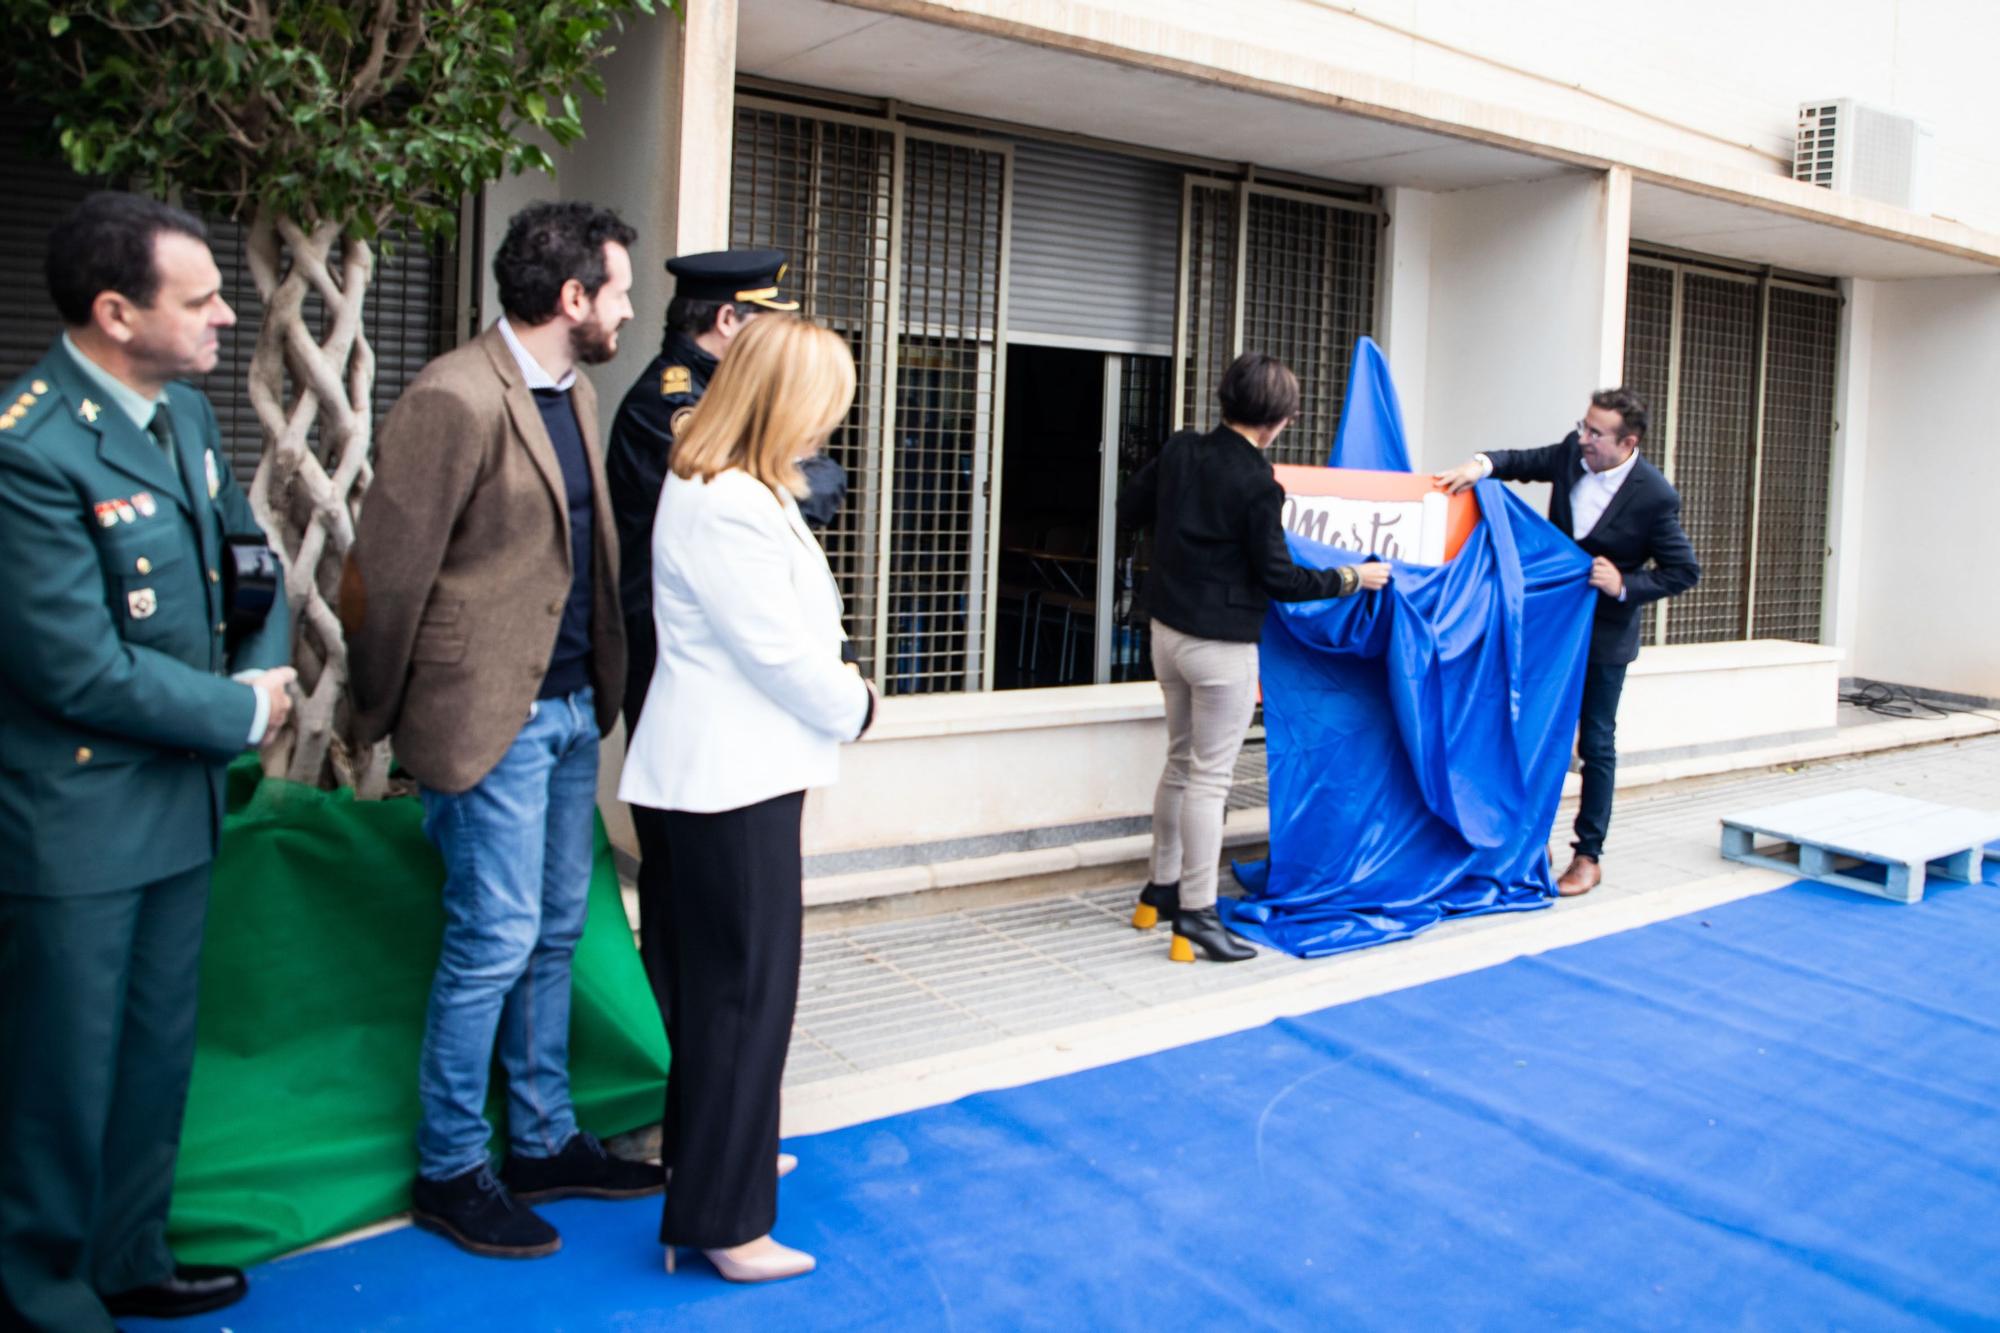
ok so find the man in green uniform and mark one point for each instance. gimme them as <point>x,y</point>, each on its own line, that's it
<point>120,706</point>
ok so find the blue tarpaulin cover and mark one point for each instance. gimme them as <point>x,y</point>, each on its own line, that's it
<point>1417,738</point>
<point>1371,424</point>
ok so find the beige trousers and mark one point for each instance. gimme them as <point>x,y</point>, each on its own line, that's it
<point>1211,691</point>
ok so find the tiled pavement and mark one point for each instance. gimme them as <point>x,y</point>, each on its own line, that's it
<point>879,995</point>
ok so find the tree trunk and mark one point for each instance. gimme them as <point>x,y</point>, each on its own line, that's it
<point>312,476</point>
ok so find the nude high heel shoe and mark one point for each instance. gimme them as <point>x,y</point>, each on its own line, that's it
<point>760,1260</point>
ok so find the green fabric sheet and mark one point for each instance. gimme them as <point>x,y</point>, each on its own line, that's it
<point>323,931</point>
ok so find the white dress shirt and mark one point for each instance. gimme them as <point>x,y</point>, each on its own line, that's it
<point>1591,495</point>
<point>531,369</point>
<point>749,698</point>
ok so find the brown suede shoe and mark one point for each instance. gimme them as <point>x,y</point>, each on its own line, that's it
<point>1581,877</point>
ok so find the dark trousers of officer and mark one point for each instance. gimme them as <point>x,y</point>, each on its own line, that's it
<point>655,859</point>
<point>1597,747</point>
<point>97,1025</point>
<point>736,927</point>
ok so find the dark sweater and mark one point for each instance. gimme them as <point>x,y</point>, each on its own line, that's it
<point>1219,556</point>
<point>569,664</point>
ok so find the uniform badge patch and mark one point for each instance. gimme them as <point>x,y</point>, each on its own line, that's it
<point>126,513</point>
<point>145,504</point>
<point>673,380</point>
<point>107,513</point>
<point>88,411</point>
<point>141,602</point>
<point>214,476</point>
<point>679,421</point>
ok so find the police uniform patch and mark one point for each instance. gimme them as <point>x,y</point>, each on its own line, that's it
<point>679,420</point>
<point>214,476</point>
<point>673,380</point>
<point>142,602</point>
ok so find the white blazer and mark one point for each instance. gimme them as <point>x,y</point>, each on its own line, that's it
<point>749,698</point>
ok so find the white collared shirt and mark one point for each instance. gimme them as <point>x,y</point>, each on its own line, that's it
<point>531,369</point>
<point>1591,495</point>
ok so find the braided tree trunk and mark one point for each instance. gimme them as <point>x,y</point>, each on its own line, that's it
<point>313,474</point>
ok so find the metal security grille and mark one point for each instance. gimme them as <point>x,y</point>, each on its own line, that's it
<point>1796,461</point>
<point>1279,271</point>
<point>1649,364</point>
<point>947,377</point>
<point>1713,458</point>
<point>1207,325</point>
<point>897,238</point>
<point>1309,295</point>
<point>1739,368</point>
<point>820,190</point>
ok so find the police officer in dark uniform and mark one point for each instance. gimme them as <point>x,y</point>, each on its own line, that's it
<point>123,697</point>
<point>715,295</point>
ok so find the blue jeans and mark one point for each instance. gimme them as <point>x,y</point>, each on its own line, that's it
<point>517,851</point>
<point>1597,746</point>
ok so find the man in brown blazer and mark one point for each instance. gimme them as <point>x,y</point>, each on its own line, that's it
<point>484,636</point>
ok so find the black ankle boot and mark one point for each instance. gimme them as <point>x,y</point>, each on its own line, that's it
<point>1157,903</point>
<point>1203,929</point>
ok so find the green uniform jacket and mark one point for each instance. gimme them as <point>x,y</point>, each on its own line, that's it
<point>117,714</point>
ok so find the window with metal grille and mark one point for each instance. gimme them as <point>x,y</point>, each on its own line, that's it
<point>1208,325</point>
<point>820,191</point>
<point>410,316</point>
<point>1738,368</point>
<point>1280,271</point>
<point>896,238</point>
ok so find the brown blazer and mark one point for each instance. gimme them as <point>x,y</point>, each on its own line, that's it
<point>454,590</point>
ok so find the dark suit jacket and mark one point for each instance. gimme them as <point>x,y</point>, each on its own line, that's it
<point>117,714</point>
<point>455,587</point>
<point>1640,532</point>
<point>1219,553</point>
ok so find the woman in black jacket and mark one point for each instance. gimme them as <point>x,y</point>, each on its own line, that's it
<point>1219,560</point>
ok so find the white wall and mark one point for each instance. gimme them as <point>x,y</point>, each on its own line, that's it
<point>1404,322</point>
<point>1716,79</point>
<point>1518,315</point>
<point>1847,482</point>
<point>1929,597</point>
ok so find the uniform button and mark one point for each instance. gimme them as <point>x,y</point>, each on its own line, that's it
<point>143,565</point>
<point>83,754</point>
<point>214,577</point>
<point>220,626</point>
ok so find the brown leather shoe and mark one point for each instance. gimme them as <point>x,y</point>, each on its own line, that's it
<point>1581,877</point>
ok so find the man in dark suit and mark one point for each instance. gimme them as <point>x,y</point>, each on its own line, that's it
<point>121,704</point>
<point>1612,501</point>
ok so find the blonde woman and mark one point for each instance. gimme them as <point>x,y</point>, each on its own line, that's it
<point>748,708</point>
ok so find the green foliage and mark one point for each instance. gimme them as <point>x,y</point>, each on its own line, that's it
<point>348,111</point>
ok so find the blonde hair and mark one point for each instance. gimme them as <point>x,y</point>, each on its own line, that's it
<point>782,387</point>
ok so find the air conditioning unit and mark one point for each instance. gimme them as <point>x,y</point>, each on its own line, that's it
<point>1864,150</point>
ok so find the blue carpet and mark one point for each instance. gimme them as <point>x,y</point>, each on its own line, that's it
<point>1779,1114</point>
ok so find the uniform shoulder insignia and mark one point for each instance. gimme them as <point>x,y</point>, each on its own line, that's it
<point>673,380</point>
<point>22,402</point>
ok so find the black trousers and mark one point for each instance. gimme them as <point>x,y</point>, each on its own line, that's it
<point>97,1025</point>
<point>735,921</point>
<point>1597,746</point>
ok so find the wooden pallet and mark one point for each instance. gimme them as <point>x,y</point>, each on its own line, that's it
<point>1844,838</point>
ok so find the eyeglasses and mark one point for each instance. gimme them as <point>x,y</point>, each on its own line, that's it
<point>1594,435</point>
